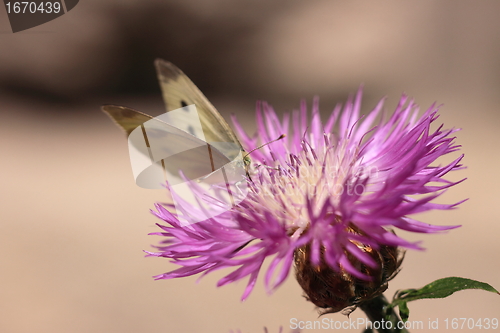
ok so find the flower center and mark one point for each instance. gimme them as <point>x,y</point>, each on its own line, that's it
<point>322,173</point>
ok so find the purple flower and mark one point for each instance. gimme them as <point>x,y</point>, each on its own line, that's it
<point>332,191</point>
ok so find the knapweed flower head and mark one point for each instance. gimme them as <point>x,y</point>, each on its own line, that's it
<point>325,199</point>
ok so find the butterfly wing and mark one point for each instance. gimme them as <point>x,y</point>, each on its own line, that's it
<point>127,119</point>
<point>170,148</point>
<point>179,91</point>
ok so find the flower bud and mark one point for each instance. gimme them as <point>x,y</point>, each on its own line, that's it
<point>335,289</point>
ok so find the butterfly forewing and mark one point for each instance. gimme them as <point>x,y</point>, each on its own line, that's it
<point>179,91</point>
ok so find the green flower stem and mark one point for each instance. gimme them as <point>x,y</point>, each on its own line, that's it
<point>377,310</point>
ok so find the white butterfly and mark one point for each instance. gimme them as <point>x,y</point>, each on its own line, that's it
<point>192,141</point>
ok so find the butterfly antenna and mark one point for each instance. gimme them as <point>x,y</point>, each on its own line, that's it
<point>265,144</point>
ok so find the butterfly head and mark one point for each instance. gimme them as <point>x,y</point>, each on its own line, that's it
<point>247,161</point>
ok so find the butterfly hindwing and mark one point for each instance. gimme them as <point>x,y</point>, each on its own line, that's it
<point>127,119</point>
<point>183,151</point>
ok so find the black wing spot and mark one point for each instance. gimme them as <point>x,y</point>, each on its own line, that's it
<point>191,130</point>
<point>183,104</point>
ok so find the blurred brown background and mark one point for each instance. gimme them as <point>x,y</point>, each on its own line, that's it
<point>73,224</point>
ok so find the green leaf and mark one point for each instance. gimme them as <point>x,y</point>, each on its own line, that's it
<point>404,312</point>
<point>438,289</point>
